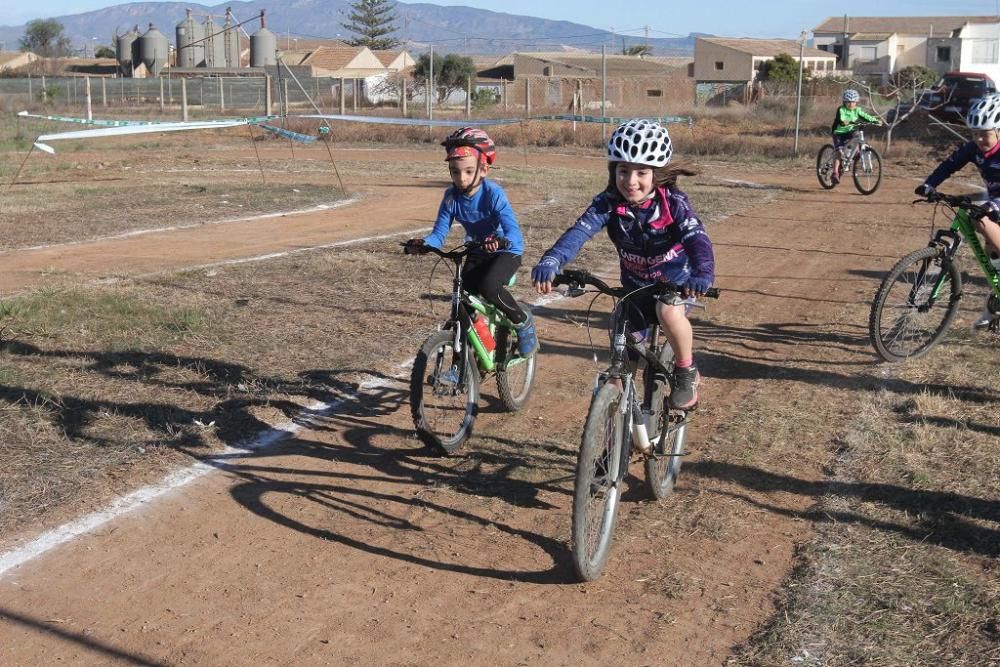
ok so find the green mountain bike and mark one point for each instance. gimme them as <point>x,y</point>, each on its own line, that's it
<point>476,340</point>
<point>918,299</point>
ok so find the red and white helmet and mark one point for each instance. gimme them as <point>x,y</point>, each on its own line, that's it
<point>470,142</point>
<point>641,142</point>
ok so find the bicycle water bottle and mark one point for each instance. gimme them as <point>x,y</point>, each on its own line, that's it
<point>483,332</point>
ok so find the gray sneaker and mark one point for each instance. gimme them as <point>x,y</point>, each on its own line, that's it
<point>986,318</point>
<point>684,395</point>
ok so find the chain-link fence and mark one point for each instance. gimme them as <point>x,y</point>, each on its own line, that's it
<point>253,95</point>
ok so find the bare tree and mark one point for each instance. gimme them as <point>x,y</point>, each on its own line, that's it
<point>897,101</point>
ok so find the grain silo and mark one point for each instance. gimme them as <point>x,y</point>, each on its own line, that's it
<point>263,46</point>
<point>154,49</point>
<point>190,42</point>
<point>231,40</point>
<point>127,46</point>
<point>215,48</point>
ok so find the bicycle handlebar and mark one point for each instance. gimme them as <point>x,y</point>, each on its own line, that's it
<point>957,201</point>
<point>459,252</point>
<point>576,279</point>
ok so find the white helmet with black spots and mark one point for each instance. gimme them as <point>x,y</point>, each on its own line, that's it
<point>640,142</point>
<point>851,95</point>
<point>984,114</point>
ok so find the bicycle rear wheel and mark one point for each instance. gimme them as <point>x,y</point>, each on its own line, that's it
<point>599,473</point>
<point>867,170</point>
<point>515,374</point>
<point>443,400</point>
<point>667,438</point>
<point>907,319</point>
<point>824,166</point>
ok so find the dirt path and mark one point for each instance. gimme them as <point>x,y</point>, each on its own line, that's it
<point>404,204</point>
<point>347,544</point>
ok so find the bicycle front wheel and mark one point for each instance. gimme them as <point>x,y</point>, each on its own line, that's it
<point>824,166</point>
<point>867,170</point>
<point>667,438</point>
<point>444,398</point>
<point>515,374</point>
<point>599,475</point>
<point>915,305</point>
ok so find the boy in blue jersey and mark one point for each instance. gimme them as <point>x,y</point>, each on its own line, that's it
<point>657,235</point>
<point>983,151</point>
<point>482,208</point>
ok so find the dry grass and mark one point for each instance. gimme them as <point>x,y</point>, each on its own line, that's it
<point>903,568</point>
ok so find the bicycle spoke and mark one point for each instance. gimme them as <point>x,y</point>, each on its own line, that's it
<point>914,306</point>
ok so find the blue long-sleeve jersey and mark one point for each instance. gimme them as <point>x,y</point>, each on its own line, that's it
<point>487,212</point>
<point>987,163</point>
<point>661,240</point>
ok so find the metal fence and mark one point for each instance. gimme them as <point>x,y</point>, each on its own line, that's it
<point>248,95</point>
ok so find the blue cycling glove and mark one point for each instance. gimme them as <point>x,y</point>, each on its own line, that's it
<point>545,271</point>
<point>698,284</point>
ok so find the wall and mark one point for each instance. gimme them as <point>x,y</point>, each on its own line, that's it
<point>980,34</point>
<point>737,65</point>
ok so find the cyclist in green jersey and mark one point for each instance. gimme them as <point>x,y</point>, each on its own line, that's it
<point>848,115</point>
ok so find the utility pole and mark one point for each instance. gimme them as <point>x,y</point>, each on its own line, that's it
<point>798,97</point>
<point>604,93</point>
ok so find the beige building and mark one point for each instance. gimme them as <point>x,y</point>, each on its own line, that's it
<point>573,81</point>
<point>738,60</point>
<point>881,46</point>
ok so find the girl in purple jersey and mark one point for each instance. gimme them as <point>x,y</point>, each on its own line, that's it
<point>984,152</point>
<point>657,235</point>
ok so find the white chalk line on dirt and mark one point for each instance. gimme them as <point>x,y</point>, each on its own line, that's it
<point>173,228</point>
<point>69,531</point>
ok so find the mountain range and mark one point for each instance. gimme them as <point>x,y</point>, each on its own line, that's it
<point>462,30</point>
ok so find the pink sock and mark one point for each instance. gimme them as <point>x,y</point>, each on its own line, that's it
<point>684,363</point>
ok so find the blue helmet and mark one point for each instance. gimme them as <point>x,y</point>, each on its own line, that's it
<point>851,95</point>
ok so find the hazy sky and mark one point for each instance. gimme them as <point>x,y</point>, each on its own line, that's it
<point>733,18</point>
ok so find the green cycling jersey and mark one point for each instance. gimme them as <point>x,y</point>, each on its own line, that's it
<point>846,118</point>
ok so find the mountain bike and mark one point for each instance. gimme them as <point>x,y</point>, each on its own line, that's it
<point>918,300</point>
<point>857,157</point>
<point>623,415</point>
<point>475,341</point>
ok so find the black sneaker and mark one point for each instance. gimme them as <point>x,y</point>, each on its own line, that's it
<point>684,395</point>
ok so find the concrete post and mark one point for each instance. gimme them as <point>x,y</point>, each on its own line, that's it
<point>162,100</point>
<point>90,106</point>
<point>343,96</point>
<point>354,94</point>
<point>222,99</point>
<point>268,101</point>
<point>104,92</point>
<point>184,99</point>
<point>402,96</point>
<point>527,97</point>
<point>468,98</point>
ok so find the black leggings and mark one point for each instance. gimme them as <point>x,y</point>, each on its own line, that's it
<point>487,275</point>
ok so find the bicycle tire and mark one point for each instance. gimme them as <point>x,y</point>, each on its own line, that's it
<point>824,166</point>
<point>867,181</point>
<point>515,374</point>
<point>597,489</point>
<point>897,327</point>
<point>664,465</point>
<point>443,416</point>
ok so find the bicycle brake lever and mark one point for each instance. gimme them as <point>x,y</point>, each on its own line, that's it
<point>575,291</point>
